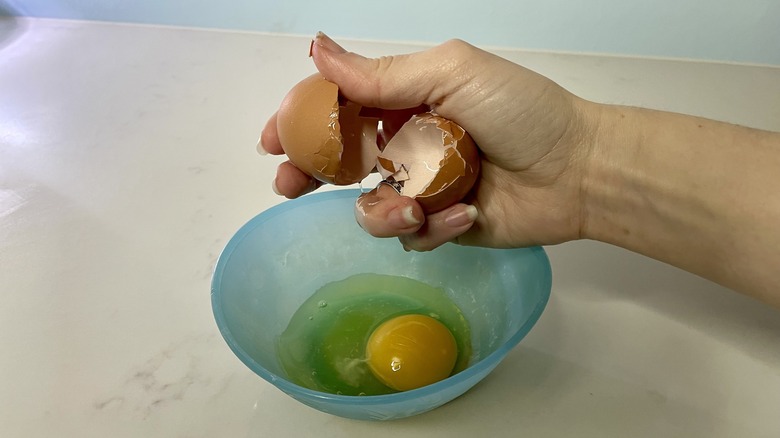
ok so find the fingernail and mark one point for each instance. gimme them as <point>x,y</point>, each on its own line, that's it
<point>403,217</point>
<point>328,44</point>
<point>461,217</point>
<point>274,188</point>
<point>404,240</point>
<point>260,148</point>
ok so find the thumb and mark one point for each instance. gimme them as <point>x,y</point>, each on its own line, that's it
<point>428,78</point>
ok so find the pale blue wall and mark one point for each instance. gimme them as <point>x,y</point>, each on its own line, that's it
<point>725,30</point>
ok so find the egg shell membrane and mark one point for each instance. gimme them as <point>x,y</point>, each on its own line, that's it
<point>333,144</point>
<point>359,148</point>
<point>435,159</point>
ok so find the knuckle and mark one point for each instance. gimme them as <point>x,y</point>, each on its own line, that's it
<point>455,44</point>
<point>383,64</point>
<point>455,60</point>
<point>457,49</point>
<point>382,72</point>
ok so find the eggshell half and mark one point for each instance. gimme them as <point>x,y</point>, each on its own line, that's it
<point>435,161</point>
<point>334,144</point>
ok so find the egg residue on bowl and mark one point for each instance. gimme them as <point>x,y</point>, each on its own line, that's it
<point>372,334</point>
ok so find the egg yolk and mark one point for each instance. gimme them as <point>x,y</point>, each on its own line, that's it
<point>411,351</point>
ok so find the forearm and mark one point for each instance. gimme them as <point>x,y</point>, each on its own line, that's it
<point>698,194</point>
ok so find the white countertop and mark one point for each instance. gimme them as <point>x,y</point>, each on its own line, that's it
<point>127,160</point>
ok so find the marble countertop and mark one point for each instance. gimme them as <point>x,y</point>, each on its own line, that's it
<point>127,160</point>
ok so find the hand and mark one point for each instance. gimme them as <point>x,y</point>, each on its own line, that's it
<point>695,193</point>
<point>533,136</point>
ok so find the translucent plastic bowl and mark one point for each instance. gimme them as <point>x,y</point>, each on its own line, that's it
<point>283,255</point>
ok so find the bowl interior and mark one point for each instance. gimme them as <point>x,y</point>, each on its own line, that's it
<point>282,256</point>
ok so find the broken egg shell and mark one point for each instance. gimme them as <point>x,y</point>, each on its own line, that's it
<point>333,144</point>
<point>436,160</point>
<point>458,170</point>
<point>334,140</point>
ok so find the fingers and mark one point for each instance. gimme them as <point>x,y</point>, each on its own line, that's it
<point>440,228</point>
<point>394,82</point>
<point>291,183</point>
<point>269,139</point>
<point>382,212</point>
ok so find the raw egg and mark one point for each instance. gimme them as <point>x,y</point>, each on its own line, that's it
<point>324,346</point>
<point>411,351</point>
<point>431,159</point>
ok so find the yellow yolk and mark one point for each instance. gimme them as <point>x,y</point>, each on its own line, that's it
<point>411,351</point>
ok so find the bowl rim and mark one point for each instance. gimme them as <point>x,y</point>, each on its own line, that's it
<point>289,387</point>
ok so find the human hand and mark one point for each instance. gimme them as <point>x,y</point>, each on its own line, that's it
<point>533,136</point>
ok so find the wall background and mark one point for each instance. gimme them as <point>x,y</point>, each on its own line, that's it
<point>746,31</point>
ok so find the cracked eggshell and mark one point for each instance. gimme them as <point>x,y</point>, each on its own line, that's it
<point>435,160</point>
<point>333,143</point>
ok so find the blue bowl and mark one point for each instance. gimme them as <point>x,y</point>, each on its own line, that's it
<point>283,255</point>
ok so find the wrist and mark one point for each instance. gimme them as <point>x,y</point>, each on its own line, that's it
<point>687,191</point>
<point>614,137</point>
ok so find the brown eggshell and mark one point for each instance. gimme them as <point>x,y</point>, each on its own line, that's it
<point>435,160</point>
<point>313,131</point>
